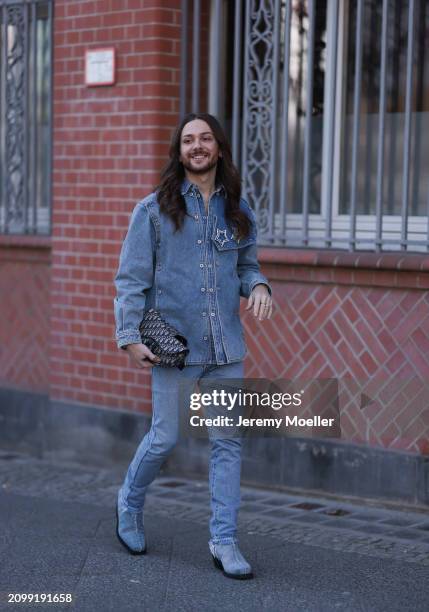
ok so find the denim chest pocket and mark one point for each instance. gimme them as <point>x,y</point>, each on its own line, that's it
<point>225,241</point>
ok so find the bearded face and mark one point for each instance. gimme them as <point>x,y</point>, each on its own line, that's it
<point>199,150</point>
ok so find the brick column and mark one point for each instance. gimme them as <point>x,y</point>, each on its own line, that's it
<point>109,145</point>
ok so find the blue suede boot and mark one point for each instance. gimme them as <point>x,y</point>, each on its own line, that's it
<point>228,558</point>
<point>129,528</point>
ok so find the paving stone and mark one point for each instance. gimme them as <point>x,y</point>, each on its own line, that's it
<point>376,529</point>
<point>342,523</point>
<point>308,518</point>
<point>277,501</point>
<point>257,508</point>
<point>173,494</point>
<point>367,516</point>
<point>251,496</point>
<point>281,512</point>
<point>397,521</point>
<point>118,593</point>
<point>407,534</point>
<point>307,505</point>
<point>30,553</point>
<point>423,526</point>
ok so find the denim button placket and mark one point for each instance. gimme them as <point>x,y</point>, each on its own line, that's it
<point>211,355</point>
<point>207,263</point>
<point>200,205</point>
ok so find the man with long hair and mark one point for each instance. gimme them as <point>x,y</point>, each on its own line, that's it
<point>190,252</point>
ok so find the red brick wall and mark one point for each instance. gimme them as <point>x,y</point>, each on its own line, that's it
<point>361,318</point>
<point>24,324</point>
<point>357,322</point>
<point>109,144</point>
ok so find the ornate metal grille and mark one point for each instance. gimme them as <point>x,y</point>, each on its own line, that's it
<point>25,116</point>
<point>325,104</point>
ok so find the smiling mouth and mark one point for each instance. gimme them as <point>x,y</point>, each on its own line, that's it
<point>199,157</point>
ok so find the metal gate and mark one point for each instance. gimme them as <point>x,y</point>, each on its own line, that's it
<point>25,116</point>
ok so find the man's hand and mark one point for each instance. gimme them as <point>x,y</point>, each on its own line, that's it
<point>142,355</point>
<point>261,301</point>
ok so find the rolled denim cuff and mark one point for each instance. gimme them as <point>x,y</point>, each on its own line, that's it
<point>130,336</point>
<point>250,278</point>
<point>260,282</point>
<point>247,286</point>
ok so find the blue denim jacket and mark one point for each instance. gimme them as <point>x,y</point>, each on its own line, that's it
<point>195,285</point>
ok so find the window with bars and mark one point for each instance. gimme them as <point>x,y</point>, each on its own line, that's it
<point>326,103</point>
<point>25,116</point>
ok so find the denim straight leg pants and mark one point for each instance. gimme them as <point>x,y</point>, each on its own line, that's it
<point>225,458</point>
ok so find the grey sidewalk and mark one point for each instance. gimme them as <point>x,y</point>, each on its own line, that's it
<point>58,536</point>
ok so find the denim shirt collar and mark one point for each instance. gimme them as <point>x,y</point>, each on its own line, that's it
<point>187,186</point>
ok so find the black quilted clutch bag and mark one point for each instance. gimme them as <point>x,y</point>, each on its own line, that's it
<point>163,340</point>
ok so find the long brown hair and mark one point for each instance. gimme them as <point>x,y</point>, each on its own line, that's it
<point>170,199</point>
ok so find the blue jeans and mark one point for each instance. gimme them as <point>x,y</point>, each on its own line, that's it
<point>225,458</point>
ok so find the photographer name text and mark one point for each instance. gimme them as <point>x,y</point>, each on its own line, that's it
<point>277,422</point>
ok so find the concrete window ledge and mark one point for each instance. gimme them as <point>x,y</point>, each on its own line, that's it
<point>342,259</point>
<point>400,270</point>
<point>14,247</point>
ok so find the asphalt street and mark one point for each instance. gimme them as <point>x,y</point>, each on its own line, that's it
<point>307,553</point>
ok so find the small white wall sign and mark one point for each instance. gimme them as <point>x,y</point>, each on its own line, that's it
<point>100,67</point>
